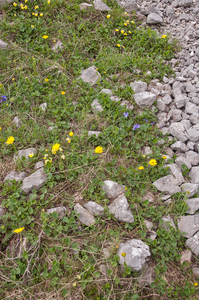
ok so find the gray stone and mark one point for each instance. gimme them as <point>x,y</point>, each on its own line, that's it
<point>112,189</point>
<point>147,150</point>
<point>167,184</point>
<point>178,130</point>
<point>148,224</point>
<point>39,165</point>
<point>161,105</point>
<point>191,108</point>
<point>190,88</point>
<point>185,256</point>
<point>121,210</point>
<point>185,3</point>
<point>128,5</point>
<point>165,197</point>
<point>94,133</point>
<point>144,99</point>
<point>90,75</point>
<point>179,101</point>
<point>115,98</point>
<point>179,146</point>
<point>148,196</point>
<point>167,99</point>
<point>192,134</point>
<point>189,225</point>
<point>190,189</point>
<point>147,276</point>
<point>94,208</point>
<point>96,106</point>
<point>106,91</point>
<point>34,181</point>
<point>58,45</point>
<point>193,205</point>
<point>84,216</point>
<point>25,153</point>
<point>15,176</point>
<point>2,211</point>
<point>83,6</point>
<point>3,45</point>
<point>168,223</point>
<point>100,5</point>
<point>193,244</point>
<point>194,118</point>
<point>128,104</point>
<point>192,157</point>
<point>186,124</point>
<point>43,106</point>
<point>195,270</point>
<point>176,114</point>
<point>194,174</point>
<point>181,160</point>
<point>137,254</point>
<point>138,86</point>
<point>191,145</point>
<point>154,18</point>
<point>176,172</point>
<point>17,122</point>
<point>185,17</point>
<point>61,210</point>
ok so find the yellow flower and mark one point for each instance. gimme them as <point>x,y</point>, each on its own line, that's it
<point>63,156</point>
<point>74,284</point>
<point>132,22</point>
<point>125,24</point>
<point>127,21</point>
<point>71,133</point>
<point>164,36</point>
<point>141,168</point>
<point>45,156</point>
<point>31,154</point>
<point>0,128</point>
<point>195,283</point>
<point>108,16</point>
<point>164,157</point>
<point>116,29</point>
<point>41,14</point>
<point>48,1</point>
<point>15,4</point>
<point>126,188</point>
<point>60,149</point>
<point>50,160</point>
<point>144,156</point>
<point>68,140</point>
<point>122,31</point>
<point>46,79</point>
<point>36,15</point>
<point>126,13</point>
<point>118,45</point>
<point>10,140</point>
<point>98,149</point>
<point>55,148</point>
<point>188,192</point>
<point>63,93</point>
<point>19,230</point>
<point>78,277</point>
<point>15,15</point>
<point>13,79</point>
<point>36,6</point>
<point>130,32</point>
<point>153,162</point>
<point>32,26</point>
<point>123,254</point>
<point>33,14</point>
<point>125,33</point>
<point>123,47</point>
<point>25,7</point>
<point>2,227</point>
<point>26,1</point>
<point>44,36</point>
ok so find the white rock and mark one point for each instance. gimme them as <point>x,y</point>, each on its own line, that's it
<point>90,75</point>
<point>168,184</point>
<point>61,210</point>
<point>94,208</point>
<point>58,45</point>
<point>193,243</point>
<point>192,157</point>
<point>154,18</point>
<point>178,130</point>
<point>185,256</point>
<point>16,176</point>
<point>193,205</point>
<point>84,216</point>
<point>96,106</point>
<point>144,99</point>
<point>94,133</point>
<point>84,6</point>
<point>181,160</point>
<point>17,122</point>
<point>112,189</point>
<point>25,153</point>
<point>106,91</point>
<point>179,146</point>
<point>99,5</point>
<point>138,86</point>
<point>3,45</point>
<point>121,210</point>
<point>194,174</point>
<point>189,225</point>
<point>176,172</point>
<point>34,181</point>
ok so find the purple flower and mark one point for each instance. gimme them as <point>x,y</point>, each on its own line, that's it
<point>136,126</point>
<point>145,120</point>
<point>126,114</point>
<point>152,123</point>
<point>4,98</point>
<point>133,117</point>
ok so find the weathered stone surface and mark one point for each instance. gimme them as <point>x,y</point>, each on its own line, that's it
<point>39,165</point>
<point>147,276</point>
<point>2,211</point>
<point>25,153</point>
<point>106,91</point>
<point>90,75</point>
<point>100,5</point>
<point>43,106</point>
<point>193,205</point>
<point>84,6</point>
<point>112,189</point>
<point>128,5</point>
<point>176,172</point>
<point>191,108</point>
<point>154,18</point>
<point>115,98</point>
<point>148,224</point>
<point>96,106</point>
<point>167,99</point>
<point>192,157</point>
<point>17,122</point>
<point>121,210</point>
<point>148,196</point>
<point>185,256</point>
<point>195,270</point>
<point>128,104</point>
<point>144,99</point>
<point>168,223</point>
<point>16,176</point>
<point>192,134</point>
<point>179,146</point>
<point>189,225</point>
<point>194,174</point>
<point>138,86</point>
<point>94,208</point>
<point>193,243</point>
<point>3,45</point>
<point>194,118</point>
<point>190,88</point>
<point>190,189</point>
<point>137,254</point>
<point>167,184</point>
<point>178,130</point>
<point>61,210</point>
<point>58,45</point>
<point>84,216</point>
<point>94,133</point>
<point>181,160</point>
<point>34,181</point>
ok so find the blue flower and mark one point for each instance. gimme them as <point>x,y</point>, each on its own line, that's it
<point>145,120</point>
<point>152,123</point>
<point>126,114</point>
<point>136,126</point>
<point>4,98</point>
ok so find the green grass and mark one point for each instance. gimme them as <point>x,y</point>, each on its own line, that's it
<point>51,268</point>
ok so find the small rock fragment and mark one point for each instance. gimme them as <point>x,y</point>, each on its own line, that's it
<point>96,106</point>
<point>193,205</point>
<point>25,153</point>
<point>94,208</point>
<point>34,181</point>
<point>189,225</point>
<point>84,216</point>
<point>185,256</point>
<point>121,210</point>
<point>16,176</point>
<point>61,210</point>
<point>90,75</point>
<point>193,243</point>
<point>168,184</point>
<point>112,189</point>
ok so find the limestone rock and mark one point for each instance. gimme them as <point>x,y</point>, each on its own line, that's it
<point>61,210</point>
<point>178,130</point>
<point>39,165</point>
<point>192,157</point>
<point>84,6</point>
<point>128,104</point>
<point>189,225</point>
<point>34,181</point>
<point>112,189</point>
<point>179,146</point>
<point>90,75</point>
<point>194,174</point>
<point>193,243</point>
<point>193,205</point>
<point>58,45</point>
<point>84,216</point>
<point>147,276</point>
<point>100,5</point>
<point>17,122</point>
<point>129,5</point>
<point>176,172</point>
<point>96,106</point>
<point>137,254</point>
<point>181,160</point>
<point>25,153</point>
<point>168,223</point>
<point>144,99</point>
<point>185,256</point>
<point>94,133</point>
<point>106,91</point>
<point>154,18</point>
<point>3,45</point>
<point>138,86</point>
<point>168,184</point>
<point>16,176</point>
<point>94,208</point>
<point>148,196</point>
<point>195,270</point>
<point>121,210</point>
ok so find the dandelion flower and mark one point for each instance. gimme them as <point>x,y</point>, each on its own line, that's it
<point>125,24</point>
<point>108,16</point>
<point>130,31</point>
<point>0,128</point>
<point>122,31</point>
<point>123,47</point>
<point>116,29</point>
<point>71,133</point>
<point>144,156</point>
<point>164,36</point>
<point>48,1</point>
<point>118,45</point>
<point>125,33</point>
<point>36,15</point>
<point>33,13</point>
<point>123,254</point>
<point>19,230</point>
<point>126,13</point>
<point>14,3</point>
<point>31,154</point>
<point>164,157</point>
<point>26,1</point>
<point>36,6</point>
<point>141,168</point>
<point>41,14</point>
<point>44,36</point>
<point>153,162</point>
<point>98,149</point>
<point>13,79</point>
<point>68,140</point>
<point>63,93</point>
<point>195,283</point>
<point>25,7</point>
<point>55,148</point>
<point>46,79</point>
<point>10,140</point>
